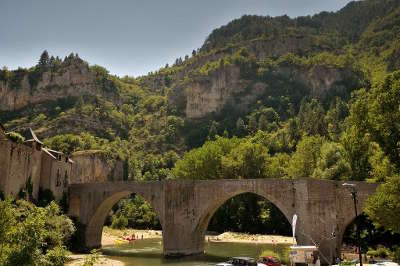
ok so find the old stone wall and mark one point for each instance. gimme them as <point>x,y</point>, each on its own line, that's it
<point>20,164</point>
<point>94,166</point>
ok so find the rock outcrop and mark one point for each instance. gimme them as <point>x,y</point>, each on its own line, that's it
<point>225,86</point>
<point>72,78</point>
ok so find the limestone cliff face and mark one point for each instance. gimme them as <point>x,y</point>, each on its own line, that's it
<point>72,80</point>
<point>225,86</point>
<point>210,95</point>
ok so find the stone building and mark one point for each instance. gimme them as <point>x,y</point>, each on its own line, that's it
<point>27,166</point>
<point>93,166</point>
<point>56,172</point>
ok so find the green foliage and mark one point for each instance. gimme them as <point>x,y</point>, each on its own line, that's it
<point>134,212</point>
<point>92,258</point>
<point>14,136</point>
<point>304,161</point>
<point>246,160</point>
<point>119,222</point>
<point>311,118</point>
<point>33,235</point>
<point>332,164</point>
<point>396,255</point>
<point>205,162</point>
<point>380,252</point>
<point>384,207</point>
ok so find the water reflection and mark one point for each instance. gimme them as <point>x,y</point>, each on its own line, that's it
<point>148,252</point>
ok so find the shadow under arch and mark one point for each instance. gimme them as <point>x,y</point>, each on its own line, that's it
<point>370,236</point>
<point>212,208</point>
<point>94,228</point>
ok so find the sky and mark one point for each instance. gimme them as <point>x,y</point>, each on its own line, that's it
<point>128,37</point>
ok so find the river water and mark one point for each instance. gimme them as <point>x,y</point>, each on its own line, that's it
<point>148,252</point>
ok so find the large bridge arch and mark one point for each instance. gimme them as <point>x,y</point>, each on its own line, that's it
<point>286,208</point>
<point>92,202</point>
<point>95,226</point>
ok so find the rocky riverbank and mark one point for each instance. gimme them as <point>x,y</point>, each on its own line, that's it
<point>115,236</point>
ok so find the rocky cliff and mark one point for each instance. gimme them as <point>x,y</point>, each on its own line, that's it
<point>71,78</point>
<point>226,86</point>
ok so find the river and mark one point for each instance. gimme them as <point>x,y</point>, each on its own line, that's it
<point>148,252</point>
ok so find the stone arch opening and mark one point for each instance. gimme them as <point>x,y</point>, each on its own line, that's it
<point>94,229</point>
<point>269,200</point>
<point>371,237</point>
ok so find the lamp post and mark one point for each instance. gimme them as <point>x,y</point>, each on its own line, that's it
<point>352,189</point>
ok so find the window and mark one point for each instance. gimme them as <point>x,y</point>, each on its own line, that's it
<point>65,178</point>
<point>58,181</point>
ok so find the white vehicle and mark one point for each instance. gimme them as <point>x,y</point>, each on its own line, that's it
<point>386,263</point>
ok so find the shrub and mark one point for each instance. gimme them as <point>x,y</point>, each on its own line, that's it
<point>119,222</point>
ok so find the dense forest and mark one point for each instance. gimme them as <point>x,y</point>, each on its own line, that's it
<point>309,97</point>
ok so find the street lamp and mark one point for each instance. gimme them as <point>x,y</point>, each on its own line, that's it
<point>352,189</point>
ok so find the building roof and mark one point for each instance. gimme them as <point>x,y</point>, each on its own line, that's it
<point>54,154</point>
<point>49,153</point>
<point>30,136</point>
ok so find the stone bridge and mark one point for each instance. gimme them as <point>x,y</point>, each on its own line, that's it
<point>185,208</point>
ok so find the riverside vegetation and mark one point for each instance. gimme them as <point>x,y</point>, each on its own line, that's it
<point>313,97</point>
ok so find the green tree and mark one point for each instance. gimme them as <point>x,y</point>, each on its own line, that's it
<point>44,60</point>
<point>205,162</point>
<point>384,206</point>
<point>247,160</point>
<point>311,118</point>
<point>240,127</point>
<point>304,160</point>
<point>213,131</point>
<point>331,164</point>
<point>33,235</point>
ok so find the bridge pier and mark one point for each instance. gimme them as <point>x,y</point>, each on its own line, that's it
<point>185,208</point>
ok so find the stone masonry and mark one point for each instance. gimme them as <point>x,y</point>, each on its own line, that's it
<point>185,208</point>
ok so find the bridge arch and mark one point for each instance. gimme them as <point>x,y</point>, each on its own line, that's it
<point>92,202</point>
<point>95,226</point>
<point>205,219</point>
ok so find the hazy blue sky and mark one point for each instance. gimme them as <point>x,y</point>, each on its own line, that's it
<point>127,37</point>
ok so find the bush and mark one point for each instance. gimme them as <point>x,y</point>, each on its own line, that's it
<point>380,252</point>
<point>119,222</point>
<point>396,255</point>
<point>91,259</point>
<point>57,256</point>
<point>32,235</point>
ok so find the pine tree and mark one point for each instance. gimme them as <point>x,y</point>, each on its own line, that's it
<point>252,123</point>
<point>44,60</point>
<point>240,127</point>
<point>213,131</point>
